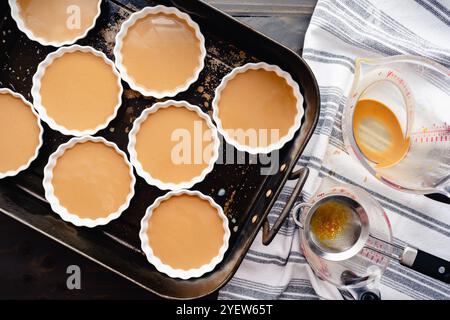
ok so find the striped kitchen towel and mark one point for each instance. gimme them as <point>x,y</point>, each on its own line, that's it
<point>340,31</point>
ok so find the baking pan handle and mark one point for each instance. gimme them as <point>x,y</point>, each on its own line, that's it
<point>269,233</point>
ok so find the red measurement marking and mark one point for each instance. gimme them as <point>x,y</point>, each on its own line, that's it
<point>438,131</point>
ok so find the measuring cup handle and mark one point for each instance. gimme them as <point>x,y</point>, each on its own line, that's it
<point>295,211</point>
<point>427,264</point>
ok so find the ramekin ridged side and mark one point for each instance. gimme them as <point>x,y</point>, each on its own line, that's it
<point>64,212</point>
<point>35,90</point>
<point>25,166</point>
<point>119,43</point>
<point>146,175</point>
<point>15,13</point>
<point>179,273</point>
<point>292,130</point>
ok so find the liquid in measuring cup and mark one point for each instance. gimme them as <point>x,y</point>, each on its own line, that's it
<point>395,122</point>
<point>378,133</point>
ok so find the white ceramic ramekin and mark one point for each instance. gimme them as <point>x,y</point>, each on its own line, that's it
<point>179,273</point>
<point>15,13</point>
<point>123,32</point>
<point>146,175</point>
<point>35,90</point>
<point>41,130</point>
<point>283,140</point>
<point>53,200</point>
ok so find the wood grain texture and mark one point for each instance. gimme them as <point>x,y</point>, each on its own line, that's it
<point>285,20</point>
<point>255,8</point>
<point>34,267</point>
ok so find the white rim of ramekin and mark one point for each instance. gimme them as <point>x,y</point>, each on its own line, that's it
<point>292,130</point>
<point>35,90</point>
<point>15,13</point>
<point>179,273</point>
<point>123,32</point>
<point>25,166</point>
<point>54,201</point>
<point>146,175</point>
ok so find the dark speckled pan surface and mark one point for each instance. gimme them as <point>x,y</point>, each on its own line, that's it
<point>239,188</point>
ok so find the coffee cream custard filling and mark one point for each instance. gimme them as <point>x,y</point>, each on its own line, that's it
<point>19,133</point>
<point>161,52</point>
<point>79,90</point>
<point>256,107</point>
<point>185,232</point>
<point>91,180</point>
<point>58,20</point>
<point>173,144</point>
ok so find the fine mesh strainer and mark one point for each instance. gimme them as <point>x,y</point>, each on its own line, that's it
<point>361,247</point>
<point>352,236</point>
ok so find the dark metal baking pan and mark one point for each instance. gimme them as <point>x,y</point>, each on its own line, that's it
<point>245,194</point>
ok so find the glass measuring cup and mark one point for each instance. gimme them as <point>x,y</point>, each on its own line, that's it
<point>356,267</point>
<point>360,250</point>
<point>417,92</point>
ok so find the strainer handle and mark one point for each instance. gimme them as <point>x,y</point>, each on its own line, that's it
<point>295,211</point>
<point>426,263</point>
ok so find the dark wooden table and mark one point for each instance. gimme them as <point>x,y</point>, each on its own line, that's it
<point>34,267</point>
